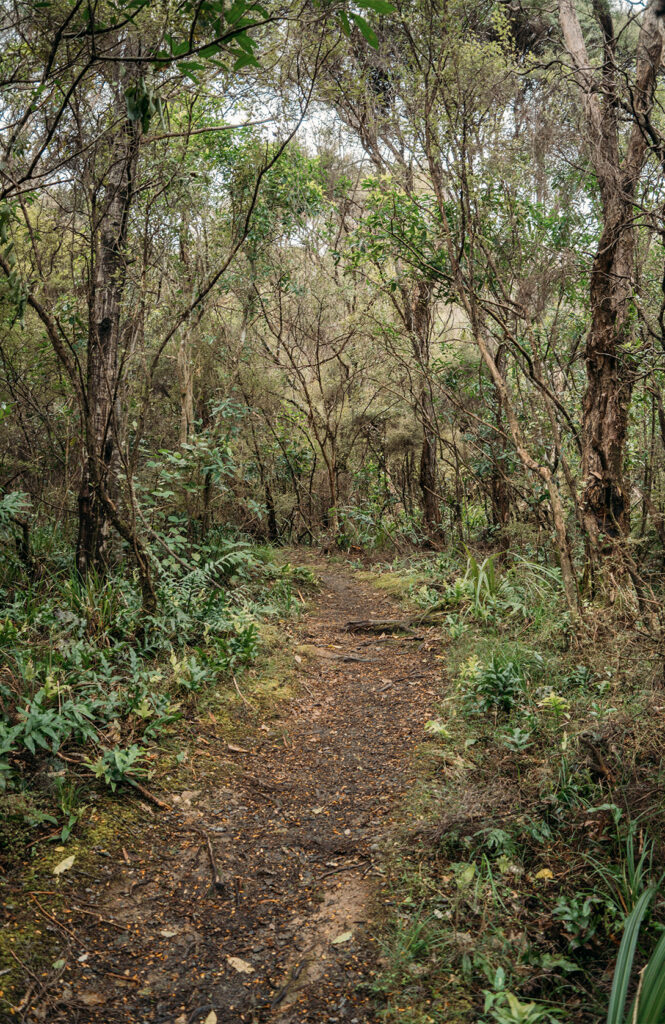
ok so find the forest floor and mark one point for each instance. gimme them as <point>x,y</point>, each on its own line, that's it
<point>250,898</point>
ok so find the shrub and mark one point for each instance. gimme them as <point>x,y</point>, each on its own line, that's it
<point>496,687</point>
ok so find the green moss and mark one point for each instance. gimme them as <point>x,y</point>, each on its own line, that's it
<point>396,584</point>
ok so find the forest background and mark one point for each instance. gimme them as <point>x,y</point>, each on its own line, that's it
<point>379,278</point>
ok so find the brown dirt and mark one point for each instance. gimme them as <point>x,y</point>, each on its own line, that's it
<point>296,825</point>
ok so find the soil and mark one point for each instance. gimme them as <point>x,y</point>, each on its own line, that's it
<point>291,819</point>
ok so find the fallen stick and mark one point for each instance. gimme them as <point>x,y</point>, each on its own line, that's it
<point>241,695</point>
<point>218,883</point>
<point>378,625</point>
<point>128,778</point>
<point>147,794</point>
<point>103,920</point>
<point>410,679</point>
<point>343,867</point>
<point>50,917</point>
<point>430,617</point>
<point>386,639</point>
<point>293,976</point>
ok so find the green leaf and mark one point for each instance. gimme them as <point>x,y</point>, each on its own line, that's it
<point>624,964</point>
<point>190,66</point>
<point>245,60</point>
<point>380,6</point>
<point>367,30</point>
<point>245,43</point>
<point>210,51</point>
<point>651,1000</point>
<point>345,23</point>
<point>235,12</point>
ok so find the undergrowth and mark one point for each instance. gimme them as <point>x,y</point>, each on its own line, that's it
<point>537,827</point>
<point>91,690</point>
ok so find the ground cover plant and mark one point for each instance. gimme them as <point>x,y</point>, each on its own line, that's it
<point>530,887</point>
<point>91,689</point>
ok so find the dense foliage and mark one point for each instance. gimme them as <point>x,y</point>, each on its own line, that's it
<point>371,277</point>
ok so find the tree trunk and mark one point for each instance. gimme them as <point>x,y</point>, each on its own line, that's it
<point>186,376</point>
<point>605,503</point>
<point>273,529</point>
<point>102,384</point>
<point>428,471</point>
<point>417,306</point>
<point>609,365</point>
<point>499,494</point>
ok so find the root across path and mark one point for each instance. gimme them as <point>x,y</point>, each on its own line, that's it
<point>255,898</point>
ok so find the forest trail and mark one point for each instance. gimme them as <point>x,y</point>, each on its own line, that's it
<point>295,819</point>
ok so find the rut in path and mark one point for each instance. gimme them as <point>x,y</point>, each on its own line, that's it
<point>295,826</point>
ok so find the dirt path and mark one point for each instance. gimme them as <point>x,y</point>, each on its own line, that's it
<point>295,825</point>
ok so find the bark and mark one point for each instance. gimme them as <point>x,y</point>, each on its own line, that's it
<point>273,529</point>
<point>417,306</point>
<point>207,499</point>
<point>427,477</point>
<point>499,493</point>
<point>102,378</point>
<point>186,376</point>
<point>609,364</point>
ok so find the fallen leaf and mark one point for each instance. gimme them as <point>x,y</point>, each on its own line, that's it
<point>182,1019</point>
<point>236,750</point>
<point>344,937</point>
<point>167,933</point>
<point>241,966</point>
<point>317,810</point>
<point>92,998</point>
<point>211,1018</point>
<point>64,865</point>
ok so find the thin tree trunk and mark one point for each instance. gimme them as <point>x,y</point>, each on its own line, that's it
<point>186,390</point>
<point>417,311</point>
<point>427,477</point>
<point>498,485</point>
<point>102,384</point>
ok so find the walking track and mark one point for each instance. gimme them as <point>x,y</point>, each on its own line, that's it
<point>295,821</point>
